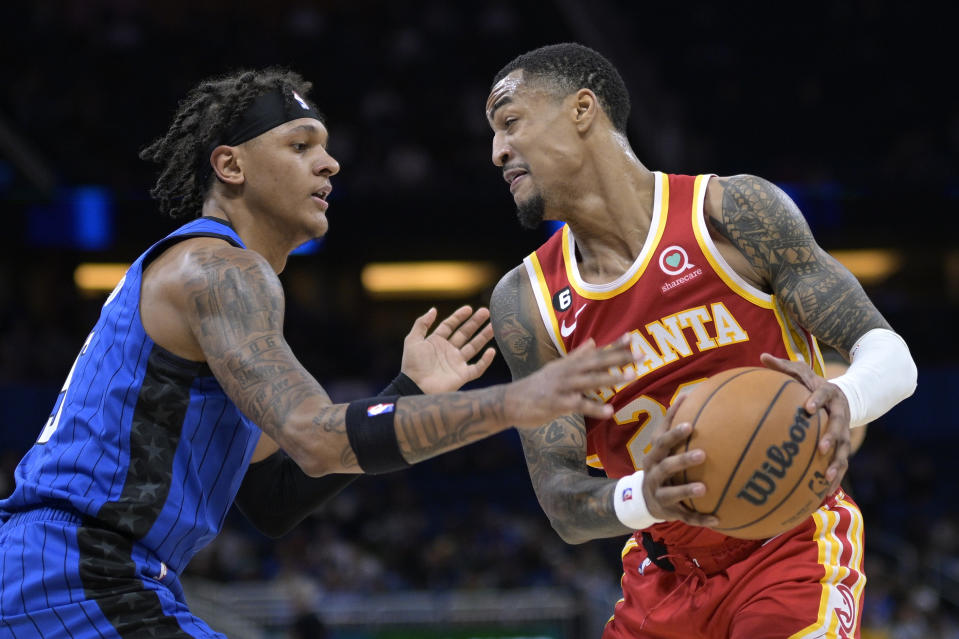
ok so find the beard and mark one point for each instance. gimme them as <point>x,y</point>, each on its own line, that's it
<point>530,213</point>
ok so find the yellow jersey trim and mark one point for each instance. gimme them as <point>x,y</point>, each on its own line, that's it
<point>636,270</point>
<point>794,351</point>
<point>799,341</point>
<point>541,292</point>
<point>594,462</point>
<point>722,268</point>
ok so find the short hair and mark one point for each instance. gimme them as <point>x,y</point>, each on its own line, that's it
<point>568,67</point>
<point>202,118</point>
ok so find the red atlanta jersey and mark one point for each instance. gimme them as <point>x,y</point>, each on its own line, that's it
<point>684,306</point>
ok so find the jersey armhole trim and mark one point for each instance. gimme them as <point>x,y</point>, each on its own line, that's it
<point>541,292</point>
<point>157,249</point>
<point>186,367</point>
<point>800,344</point>
<point>722,268</point>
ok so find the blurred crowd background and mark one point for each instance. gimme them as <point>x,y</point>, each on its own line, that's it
<point>846,105</point>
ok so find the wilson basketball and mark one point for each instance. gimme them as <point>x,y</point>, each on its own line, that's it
<point>763,470</point>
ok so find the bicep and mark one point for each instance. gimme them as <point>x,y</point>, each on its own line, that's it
<point>767,227</point>
<point>520,334</point>
<point>517,326</point>
<point>233,303</point>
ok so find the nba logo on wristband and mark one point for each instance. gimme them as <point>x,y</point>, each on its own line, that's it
<point>627,494</point>
<point>379,409</point>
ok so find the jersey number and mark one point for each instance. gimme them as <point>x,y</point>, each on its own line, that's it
<point>650,415</point>
<point>51,426</point>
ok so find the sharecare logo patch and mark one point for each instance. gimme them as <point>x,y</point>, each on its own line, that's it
<point>379,409</point>
<point>674,260</point>
<point>627,494</point>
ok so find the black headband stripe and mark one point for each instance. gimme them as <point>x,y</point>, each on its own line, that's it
<point>266,112</point>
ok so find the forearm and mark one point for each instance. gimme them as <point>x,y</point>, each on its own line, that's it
<point>429,425</point>
<point>881,375</point>
<point>580,507</point>
<point>276,495</point>
<point>424,426</point>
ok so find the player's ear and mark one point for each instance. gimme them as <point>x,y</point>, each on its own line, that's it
<point>585,109</point>
<point>226,165</point>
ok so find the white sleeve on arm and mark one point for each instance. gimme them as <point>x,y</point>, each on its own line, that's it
<point>881,374</point>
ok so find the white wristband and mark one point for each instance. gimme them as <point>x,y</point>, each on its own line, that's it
<point>630,504</point>
<point>881,374</point>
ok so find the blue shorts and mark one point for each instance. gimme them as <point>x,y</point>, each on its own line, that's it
<point>60,578</point>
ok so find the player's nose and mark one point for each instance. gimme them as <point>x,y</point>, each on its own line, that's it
<point>501,150</point>
<point>326,164</point>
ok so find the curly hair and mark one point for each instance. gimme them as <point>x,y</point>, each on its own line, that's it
<point>202,118</point>
<point>568,67</point>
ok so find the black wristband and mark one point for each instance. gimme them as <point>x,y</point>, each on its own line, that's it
<point>372,435</point>
<point>402,385</point>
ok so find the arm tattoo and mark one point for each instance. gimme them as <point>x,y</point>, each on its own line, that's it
<point>512,315</point>
<point>579,506</point>
<point>237,306</point>
<point>427,425</point>
<point>333,421</point>
<point>770,231</point>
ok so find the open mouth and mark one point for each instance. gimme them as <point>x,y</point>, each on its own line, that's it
<point>513,177</point>
<point>320,196</point>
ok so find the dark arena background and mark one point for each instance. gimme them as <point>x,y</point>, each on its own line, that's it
<point>846,105</point>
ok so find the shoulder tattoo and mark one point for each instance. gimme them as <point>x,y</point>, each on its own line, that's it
<point>513,327</point>
<point>770,231</point>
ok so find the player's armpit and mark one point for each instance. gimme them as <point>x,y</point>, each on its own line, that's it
<point>770,231</point>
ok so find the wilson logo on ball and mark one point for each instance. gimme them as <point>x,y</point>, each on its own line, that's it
<point>763,470</point>
<point>779,459</point>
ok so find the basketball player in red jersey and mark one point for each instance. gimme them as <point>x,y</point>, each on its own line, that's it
<point>706,273</point>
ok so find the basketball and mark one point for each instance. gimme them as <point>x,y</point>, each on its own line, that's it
<point>763,471</point>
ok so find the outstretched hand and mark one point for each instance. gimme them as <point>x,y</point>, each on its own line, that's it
<point>569,384</point>
<point>828,396</point>
<point>439,362</point>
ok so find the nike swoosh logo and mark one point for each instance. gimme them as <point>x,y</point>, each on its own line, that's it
<point>565,330</point>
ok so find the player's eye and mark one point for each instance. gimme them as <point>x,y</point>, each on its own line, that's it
<point>509,122</point>
<point>300,146</point>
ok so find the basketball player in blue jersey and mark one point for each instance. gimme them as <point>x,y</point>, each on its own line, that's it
<point>185,392</point>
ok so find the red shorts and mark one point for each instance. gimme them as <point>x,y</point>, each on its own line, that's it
<point>803,584</point>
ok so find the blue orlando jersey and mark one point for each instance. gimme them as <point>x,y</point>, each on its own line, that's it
<point>140,441</point>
